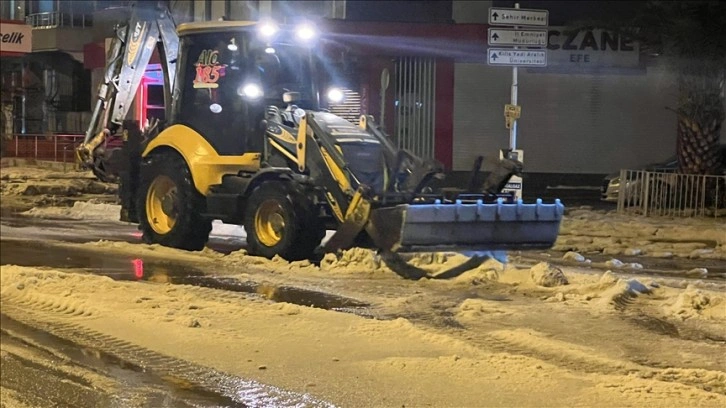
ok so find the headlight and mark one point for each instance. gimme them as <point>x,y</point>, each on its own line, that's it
<point>305,32</point>
<point>250,91</point>
<point>336,95</point>
<point>268,29</point>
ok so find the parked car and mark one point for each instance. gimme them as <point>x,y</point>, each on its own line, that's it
<point>612,184</point>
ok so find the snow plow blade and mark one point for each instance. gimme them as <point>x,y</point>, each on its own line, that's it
<point>466,227</point>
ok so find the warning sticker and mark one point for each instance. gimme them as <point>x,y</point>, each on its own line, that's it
<point>209,70</point>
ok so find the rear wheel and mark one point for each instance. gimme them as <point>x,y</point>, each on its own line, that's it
<point>168,205</point>
<point>280,220</point>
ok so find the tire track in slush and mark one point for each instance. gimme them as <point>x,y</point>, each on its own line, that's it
<point>560,353</point>
<point>564,354</point>
<point>577,358</point>
<point>237,392</point>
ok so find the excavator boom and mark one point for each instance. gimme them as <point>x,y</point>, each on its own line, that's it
<point>149,27</point>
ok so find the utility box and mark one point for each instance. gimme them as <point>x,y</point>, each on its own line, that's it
<point>514,185</point>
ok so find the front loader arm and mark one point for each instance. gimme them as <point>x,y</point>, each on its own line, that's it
<point>410,173</point>
<point>149,27</point>
<point>328,166</point>
<point>404,219</point>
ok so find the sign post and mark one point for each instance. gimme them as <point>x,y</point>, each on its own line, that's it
<point>516,57</point>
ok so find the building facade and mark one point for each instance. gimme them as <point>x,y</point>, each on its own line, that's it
<point>418,67</point>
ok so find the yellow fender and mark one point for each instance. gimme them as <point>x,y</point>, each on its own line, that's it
<point>205,164</point>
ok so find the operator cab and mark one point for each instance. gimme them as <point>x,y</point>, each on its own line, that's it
<point>236,71</point>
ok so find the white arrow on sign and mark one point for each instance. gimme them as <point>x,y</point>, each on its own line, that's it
<point>518,17</point>
<point>519,58</point>
<point>524,38</point>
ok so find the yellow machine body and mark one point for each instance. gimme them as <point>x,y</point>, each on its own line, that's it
<point>205,164</point>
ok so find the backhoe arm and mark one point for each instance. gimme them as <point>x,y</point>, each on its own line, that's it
<point>149,26</point>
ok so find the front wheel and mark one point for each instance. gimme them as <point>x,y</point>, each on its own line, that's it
<point>168,205</point>
<point>281,221</point>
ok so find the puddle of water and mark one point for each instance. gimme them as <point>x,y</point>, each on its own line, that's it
<point>82,231</point>
<point>287,294</point>
<point>39,254</point>
<point>120,267</point>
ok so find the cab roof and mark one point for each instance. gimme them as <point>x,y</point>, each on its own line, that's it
<point>214,26</point>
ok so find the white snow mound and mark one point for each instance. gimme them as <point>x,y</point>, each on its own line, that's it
<point>547,275</point>
<point>573,256</point>
<point>352,260</point>
<point>81,210</point>
<point>486,272</point>
<point>623,290</point>
<point>615,263</point>
<point>699,272</point>
<point>694,302</point>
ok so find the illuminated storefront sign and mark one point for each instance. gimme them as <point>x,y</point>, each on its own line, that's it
<point>15,38</point>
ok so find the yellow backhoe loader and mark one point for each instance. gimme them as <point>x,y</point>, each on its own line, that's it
<point>246,142</point>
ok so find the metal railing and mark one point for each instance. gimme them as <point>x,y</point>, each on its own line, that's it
<point>54,147</point>
<point>415,106</point>
<point>55,19</point>
<point>653,193</point>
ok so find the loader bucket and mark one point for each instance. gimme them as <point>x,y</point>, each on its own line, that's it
<point>466,227</point>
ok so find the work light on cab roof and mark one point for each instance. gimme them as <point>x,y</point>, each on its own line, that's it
<point>336,95</point>
<point>268,29</point>
<point>305,32</point>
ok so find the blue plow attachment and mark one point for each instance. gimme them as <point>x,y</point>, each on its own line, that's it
<point>465,227</point>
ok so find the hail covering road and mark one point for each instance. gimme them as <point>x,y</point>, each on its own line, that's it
<point>633,315</point>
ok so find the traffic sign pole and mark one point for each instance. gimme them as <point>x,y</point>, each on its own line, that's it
<point>516,187</point>
<point>530,56</point>
<point>515,84</point>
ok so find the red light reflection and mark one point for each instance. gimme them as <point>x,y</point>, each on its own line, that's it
<point>138,268</point>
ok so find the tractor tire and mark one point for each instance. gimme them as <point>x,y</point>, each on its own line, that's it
<point>280,220</point>
<point>168,205</point>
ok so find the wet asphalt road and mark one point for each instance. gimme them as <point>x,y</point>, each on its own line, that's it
<point>90,231</point>
<point>31,355</point>
<point>41,370</point>
<point>74,231</point>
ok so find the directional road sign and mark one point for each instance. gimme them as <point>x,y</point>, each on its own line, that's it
<point>523,38</point>
<point>518,17</point>
<point>518,58</point>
